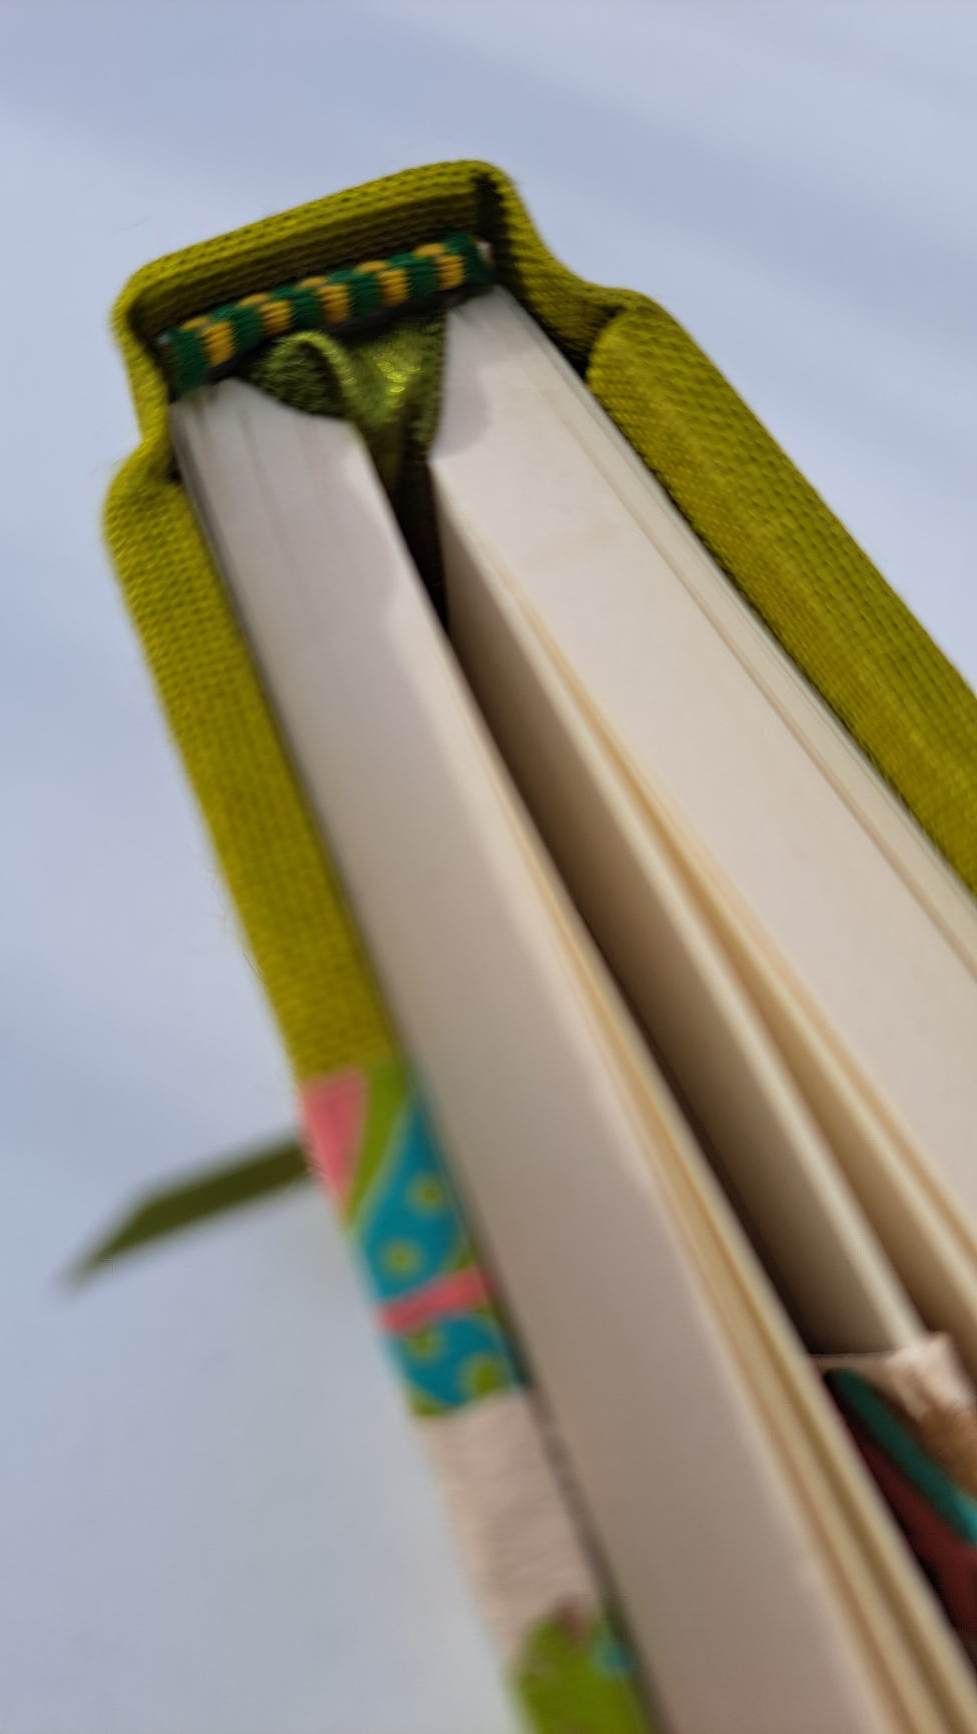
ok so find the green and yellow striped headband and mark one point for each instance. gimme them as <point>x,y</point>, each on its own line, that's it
<point>207,346</point>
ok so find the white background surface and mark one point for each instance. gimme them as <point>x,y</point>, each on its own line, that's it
<point>212,1517</point>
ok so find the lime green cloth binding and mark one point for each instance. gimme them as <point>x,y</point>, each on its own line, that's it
<point>577,1683</point>
<point>213,343</point>
<point>847,632</point>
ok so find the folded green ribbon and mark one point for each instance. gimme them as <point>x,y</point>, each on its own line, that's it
<point>212,343</point>
<point>214,1191</point>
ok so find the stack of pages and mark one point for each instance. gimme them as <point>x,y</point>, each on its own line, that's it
<point>695,1006</point>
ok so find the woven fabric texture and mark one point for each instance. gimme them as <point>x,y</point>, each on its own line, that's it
<point>846,630</point>
<point>206,346</point>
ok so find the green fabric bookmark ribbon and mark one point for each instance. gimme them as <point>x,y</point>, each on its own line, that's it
<point>387,383</point>
<point>217,1190</point>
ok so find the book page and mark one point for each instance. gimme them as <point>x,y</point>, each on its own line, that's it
<point>896,985</point>
<point>545,1137</point>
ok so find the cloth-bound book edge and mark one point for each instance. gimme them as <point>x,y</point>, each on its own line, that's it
<point>303,942</point>
<point>849,634</point>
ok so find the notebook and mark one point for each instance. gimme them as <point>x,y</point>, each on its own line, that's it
<point>691,1000</point>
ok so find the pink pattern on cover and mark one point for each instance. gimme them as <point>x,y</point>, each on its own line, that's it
<point>458,1292</point>
<point>333,1109</point>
